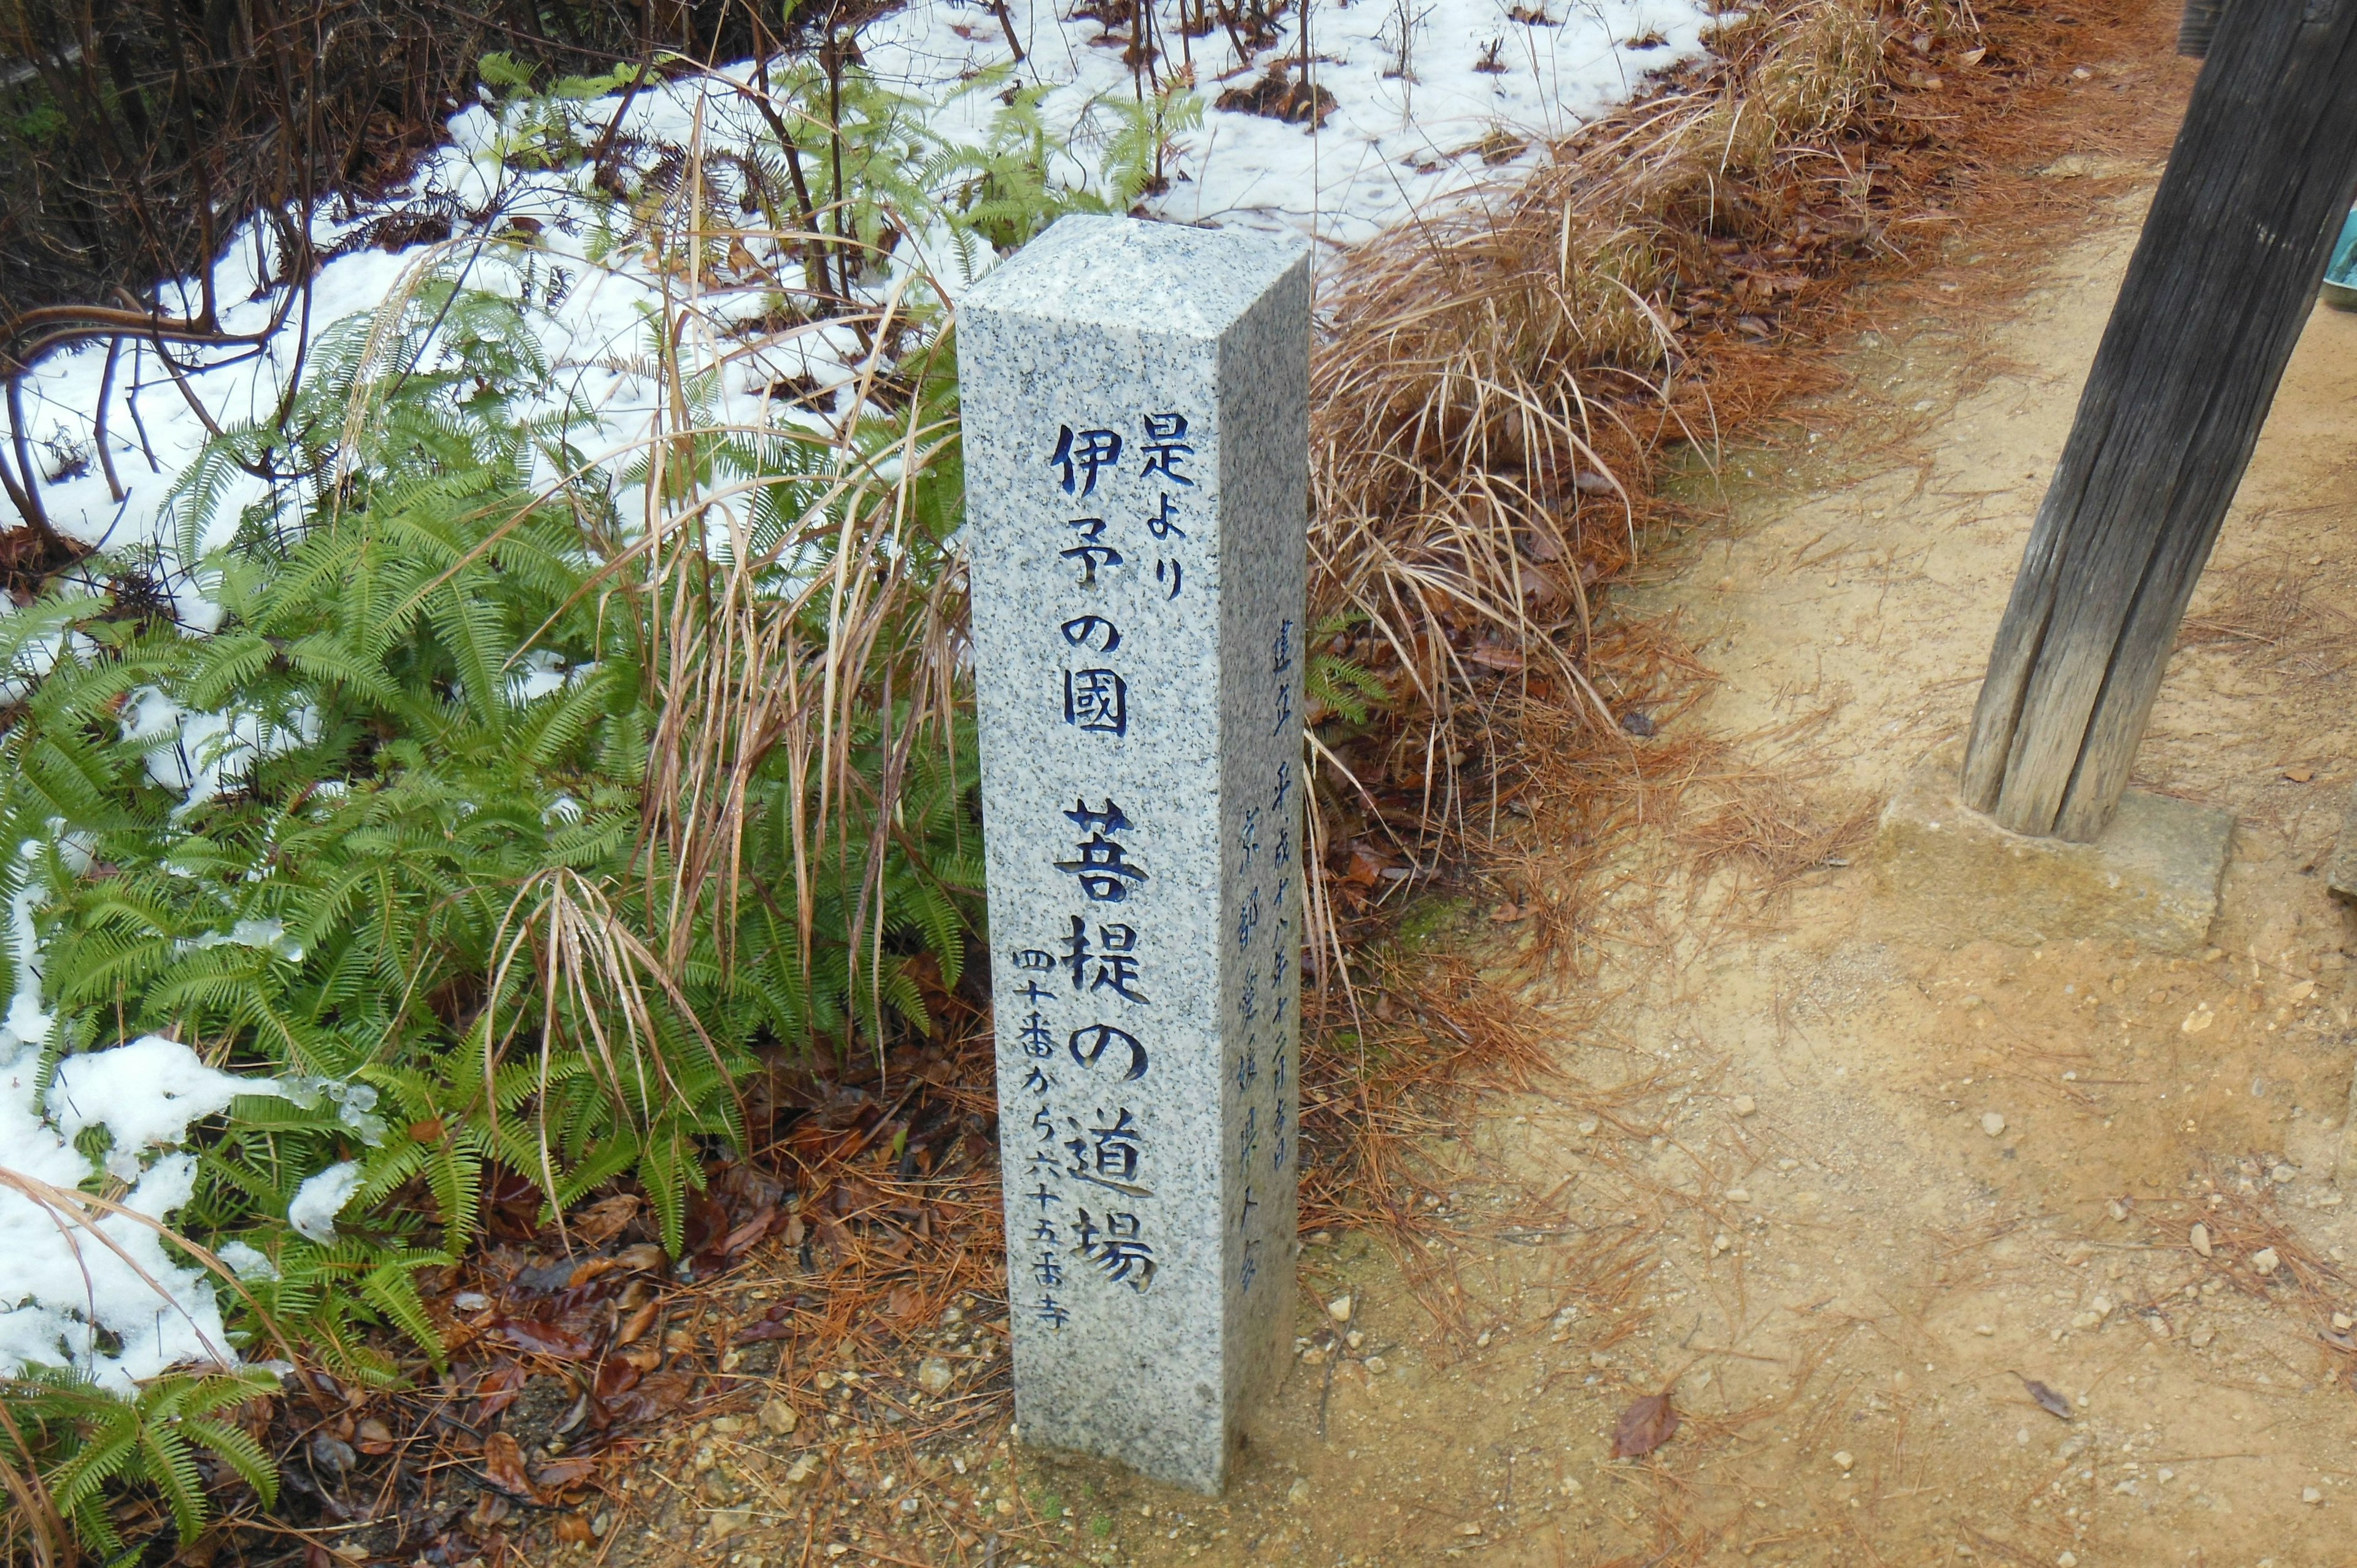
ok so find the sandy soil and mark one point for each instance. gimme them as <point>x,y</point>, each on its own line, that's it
<point>1845,1199</point>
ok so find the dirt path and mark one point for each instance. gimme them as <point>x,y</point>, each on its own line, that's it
<point>1851,1194</point>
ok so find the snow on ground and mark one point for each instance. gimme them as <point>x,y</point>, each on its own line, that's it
<point>1477,83</point>
<point>1477,87</point>
<point>64,1285</point>
<point>1398,142</point>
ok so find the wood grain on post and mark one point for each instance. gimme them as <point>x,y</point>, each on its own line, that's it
<point>2222,282</point>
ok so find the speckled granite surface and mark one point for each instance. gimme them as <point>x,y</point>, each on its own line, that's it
<point>1136,442</point>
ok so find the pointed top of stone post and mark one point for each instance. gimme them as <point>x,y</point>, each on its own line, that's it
<point>1119,272</point>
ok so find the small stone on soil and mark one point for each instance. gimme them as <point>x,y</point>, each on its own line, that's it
<point>1992,1124</point>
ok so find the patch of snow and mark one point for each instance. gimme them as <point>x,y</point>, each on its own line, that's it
<point>246,1260</point>
<point>320,1199</point>
<point>268,934</point>
<point>65,1281</point>
<point>145,1094</point>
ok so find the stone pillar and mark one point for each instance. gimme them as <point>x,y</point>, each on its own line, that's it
<point>1136,445</point>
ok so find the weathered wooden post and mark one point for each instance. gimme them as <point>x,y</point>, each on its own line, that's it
<point>1137,441</point>
<point>2216,297</point>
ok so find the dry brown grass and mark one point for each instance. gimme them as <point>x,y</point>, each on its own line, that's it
<point>2277,618</point>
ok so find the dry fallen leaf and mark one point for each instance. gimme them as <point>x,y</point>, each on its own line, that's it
<point>559,1474</point>
<point>1644,1426</point>
<point>634,1328</point>
<point>603,1220</point>
<point>2049,1402</point>
<point>503,1466</point>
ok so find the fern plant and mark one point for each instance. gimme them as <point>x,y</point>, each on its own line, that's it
<point>81,1441</point>
<point>430,826</point>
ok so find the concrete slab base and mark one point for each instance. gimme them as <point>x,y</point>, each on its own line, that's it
<point>1947,874</point>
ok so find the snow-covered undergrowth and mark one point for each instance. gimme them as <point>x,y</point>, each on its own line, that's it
<point>1477,88</point>
<point>485,629</point>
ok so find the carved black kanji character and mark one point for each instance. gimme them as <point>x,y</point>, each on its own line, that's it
<point>1165,447</point>
<point>1052,1312</point>
<point>1248,919</point>
<point>1087,452</point>
<point>1118,1249</point>
<point>1117,963</point>
<point>1091,552</point>
<point>1096,700</point>
<point>1174,581</point>
<point>1248,836</point>
<point>1280,655</point>
<point>1092,632</point>
<point>1037,1041</point>
<point>1102,868</point>
<point>1087,1046</point>
<point>1107,1153</point>
<point>1046,1269</point>
<point>1163,522</point>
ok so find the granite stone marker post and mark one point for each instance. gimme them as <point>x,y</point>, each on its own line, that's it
<point>1135,403</point>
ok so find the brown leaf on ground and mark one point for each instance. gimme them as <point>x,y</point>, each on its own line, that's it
<point>634,1328</point>
<point>604,1219</point>
<point>1645,1425</point>
<point>559,1474</point>
<point>752,1230</point>
<point>657,1394</point>
<point>2049,1402</point>
<point>616,1376</point>
<point>548,1338</point>
<point>496,1389</point>
<point>503,1466</point>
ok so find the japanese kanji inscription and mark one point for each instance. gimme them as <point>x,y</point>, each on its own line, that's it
<point>1136,438</point>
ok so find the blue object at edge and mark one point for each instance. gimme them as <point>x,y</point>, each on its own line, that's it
<point>2342,269</point>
